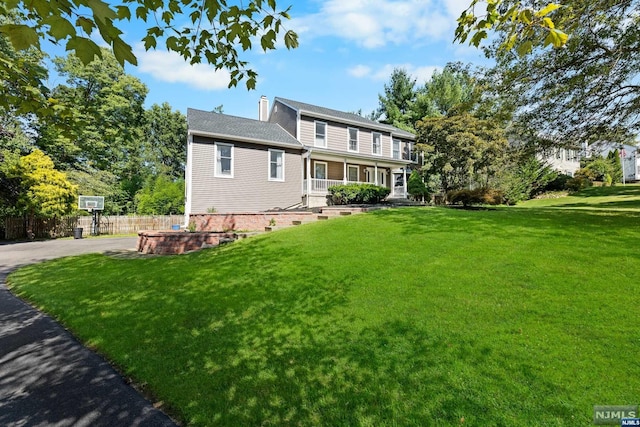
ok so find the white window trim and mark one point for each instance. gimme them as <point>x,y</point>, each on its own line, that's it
<point>349,129</point>
<point>271,150</point>
<point>393,141</point>
<point>326,169</point>
<point>315,133</point>
<point>373,138</point>
<point>217,173</point>
<point>357,176</point>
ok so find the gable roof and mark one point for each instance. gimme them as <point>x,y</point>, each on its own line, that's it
<point>206,123</point>
<point>341,116</point>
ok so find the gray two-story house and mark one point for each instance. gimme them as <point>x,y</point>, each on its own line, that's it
<point>289,157</point>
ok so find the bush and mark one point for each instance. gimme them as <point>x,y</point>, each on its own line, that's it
<point>357,194</point>
<point>478,196</point>
<point>416,187</point>
<point>559,183</point>
<point>578,182</point>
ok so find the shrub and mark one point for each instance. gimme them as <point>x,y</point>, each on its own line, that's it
<point>559,183</point>
<point>478,196</point>
<point>578,182</point>
<point>357,194</point>
<point>416,187</point>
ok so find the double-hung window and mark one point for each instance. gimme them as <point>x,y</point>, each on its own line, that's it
<point>353,139</point>
<point>353,173</point>
<point>395,153</point>
<point>224,160</point>
<point>276,165</point>
<point>377,143</point>
<point>321,134</point>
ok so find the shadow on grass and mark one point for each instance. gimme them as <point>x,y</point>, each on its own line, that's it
<point>260,333</point>
<point>632,190</point>
<point>221,344</point>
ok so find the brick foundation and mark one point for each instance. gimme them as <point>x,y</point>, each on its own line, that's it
<point>178,242</point>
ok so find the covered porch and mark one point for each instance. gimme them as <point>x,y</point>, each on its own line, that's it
<point>324,171</point>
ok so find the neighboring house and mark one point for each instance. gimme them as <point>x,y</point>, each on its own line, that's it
<point>629,157</point>
<point>563,160</point>
<point>289,158</point>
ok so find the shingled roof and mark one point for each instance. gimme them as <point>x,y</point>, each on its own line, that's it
<point>223,125</point>
<point>315,110</point>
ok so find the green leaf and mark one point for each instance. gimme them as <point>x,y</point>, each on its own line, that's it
<point>101,10</point>
<point>85,49</point>
<point>124,12</point>
<point>86,24</point>
<point>141,13</point>
<point>524,48</point>
<point>59,28</point>
<point>21,36</point>
<point>547,10</point>
<point>291,40</point>
<point>123,53</point>
<point>149,42</point>
<point>556,37</point>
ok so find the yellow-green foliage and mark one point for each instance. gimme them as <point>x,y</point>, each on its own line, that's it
<point>45,191</point>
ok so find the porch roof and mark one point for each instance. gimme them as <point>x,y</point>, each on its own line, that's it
<point>363,159</point>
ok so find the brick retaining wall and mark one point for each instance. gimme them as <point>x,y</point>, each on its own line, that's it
<point>245,221</point>
<point>177,242</point>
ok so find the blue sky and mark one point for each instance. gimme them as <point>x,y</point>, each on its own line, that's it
<point>348,49</point>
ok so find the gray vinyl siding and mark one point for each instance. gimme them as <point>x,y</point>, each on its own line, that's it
<point>250,189</point>
<point>286,117</point>
<point>337,137</point>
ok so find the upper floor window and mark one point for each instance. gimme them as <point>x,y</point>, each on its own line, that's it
<point>321,134</point>
<point>224,160</point>
<point>353,139</point>
<point>395,150</point>
<point>276,165</point>
<point>377,143</point>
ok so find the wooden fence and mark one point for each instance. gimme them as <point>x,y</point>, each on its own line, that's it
<point>17,228</point>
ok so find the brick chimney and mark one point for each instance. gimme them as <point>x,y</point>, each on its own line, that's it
<point>263,109</point>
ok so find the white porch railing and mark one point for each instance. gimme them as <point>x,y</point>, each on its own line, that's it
<point>321,186</point>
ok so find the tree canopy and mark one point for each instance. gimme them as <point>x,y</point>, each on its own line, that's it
<point>213,31</point>
<point>588,90</point>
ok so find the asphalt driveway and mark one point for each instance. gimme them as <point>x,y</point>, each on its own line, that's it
<point>47,378</point>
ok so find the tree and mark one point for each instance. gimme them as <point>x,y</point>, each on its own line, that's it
<point>585,92</point>
<point>395,104</point>
<point>94,182</point>
<point>449,92</point>
<point>211,31</point>
<point>165,140</point>
<point>161,195</point>
<point>462,150</point>
<point>416,187</point>
<point>44,191</point>
<point>616,166</point>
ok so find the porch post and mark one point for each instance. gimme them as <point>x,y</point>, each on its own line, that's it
<point>404,181</point>
<point>308,177</point>
<point>344,172</point>
<point>376,173</point>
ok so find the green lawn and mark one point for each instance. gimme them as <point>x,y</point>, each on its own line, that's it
<point>620,197</point>
<point>419,316</point>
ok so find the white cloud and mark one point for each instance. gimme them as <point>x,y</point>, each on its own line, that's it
<point>359,71</point>
<point>377,23</point>
<point>170,67</point>
<point>421,74</point>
